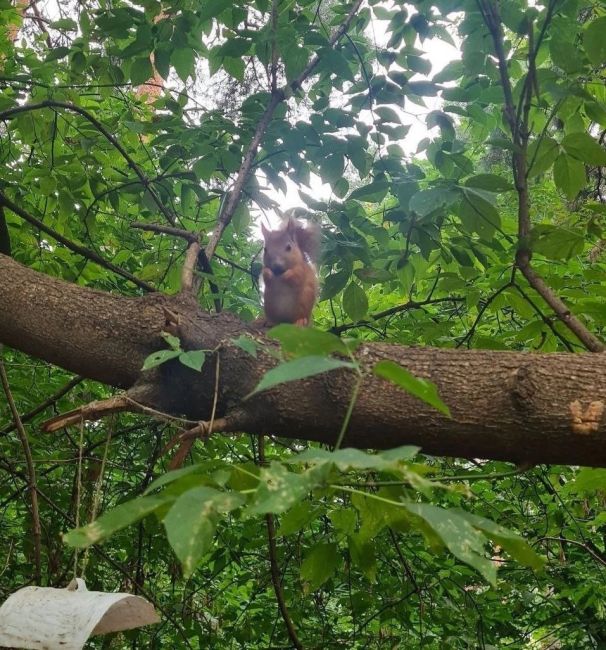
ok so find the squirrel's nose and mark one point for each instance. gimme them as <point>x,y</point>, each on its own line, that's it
<point>277,269</point>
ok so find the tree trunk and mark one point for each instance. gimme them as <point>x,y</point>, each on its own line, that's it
<point>523,407</point>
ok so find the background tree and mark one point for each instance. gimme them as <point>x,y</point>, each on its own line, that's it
<point>488,236</point>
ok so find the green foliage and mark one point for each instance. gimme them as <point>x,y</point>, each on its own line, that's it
<point>376,550</point>
<point>421,388</point>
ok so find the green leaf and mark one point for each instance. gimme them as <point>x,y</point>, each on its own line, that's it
<point>205,167</point>
<point>387,114</point>
<point>594,42</point>
<point>174,475</point>
<point>569,175</point>
<point>587,481</point>
<point>141,70</point>
<point>426,201</point>
<point>183,59</point>
<point>65,24</point>
<point>566,55</point>
<point>541,155</point>
<point>299,369</point>
<point>363,555</point>
<point>519,549</point>
<point>319,565</point>
<point>355,302</point>
<point>478,214</point>
<point>211,9</point>
<point>193,359</point>
<point>57,53</point>
<point>489,182</point>
<point>344,520</point>
<point>556,243</point>
<point>235,67</point>
<point>334,283</point>
<point>306,341</point>
<point>458,535</point>
<point>246,343</point>
<point>420,388</point>
<point>348,459</point>
<point>372,193</point>
<point>114,520</point>
<point>190,523</point>
<point>297,518</point>
<point>173,341</point>
<point>161,356</point>
<point>583,147</point>
<point>332,168</point>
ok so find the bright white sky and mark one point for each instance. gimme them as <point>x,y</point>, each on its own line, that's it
<point>439,54</point>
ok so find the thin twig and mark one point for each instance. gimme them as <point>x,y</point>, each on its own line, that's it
<point>31,473</point>
<point>167,230</point>
<point>44,405</point>
<point>277,97</point>
<point>407,306</point>
<point>518,124</point>
<point>76,248</point>
<point>273,563</point>
<point>565,540</point>
<point>50,103</point>
<point>488,301</point>
<point>189,282</point>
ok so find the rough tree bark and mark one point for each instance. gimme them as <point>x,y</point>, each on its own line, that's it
<point>522,407</point>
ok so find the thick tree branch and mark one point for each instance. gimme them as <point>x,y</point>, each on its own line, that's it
<point>522,407</point>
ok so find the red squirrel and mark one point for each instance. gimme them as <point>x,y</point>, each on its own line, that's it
<point>289,274</point>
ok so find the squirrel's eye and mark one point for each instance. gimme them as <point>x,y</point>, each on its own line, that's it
<point>288,248</point>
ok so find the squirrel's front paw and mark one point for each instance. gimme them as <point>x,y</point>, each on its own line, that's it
<point>267,274</point>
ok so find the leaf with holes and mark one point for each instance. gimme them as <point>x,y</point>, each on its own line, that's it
<point>159,357</point>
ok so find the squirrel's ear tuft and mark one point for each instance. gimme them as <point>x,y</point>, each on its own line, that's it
<point>264,230</point>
